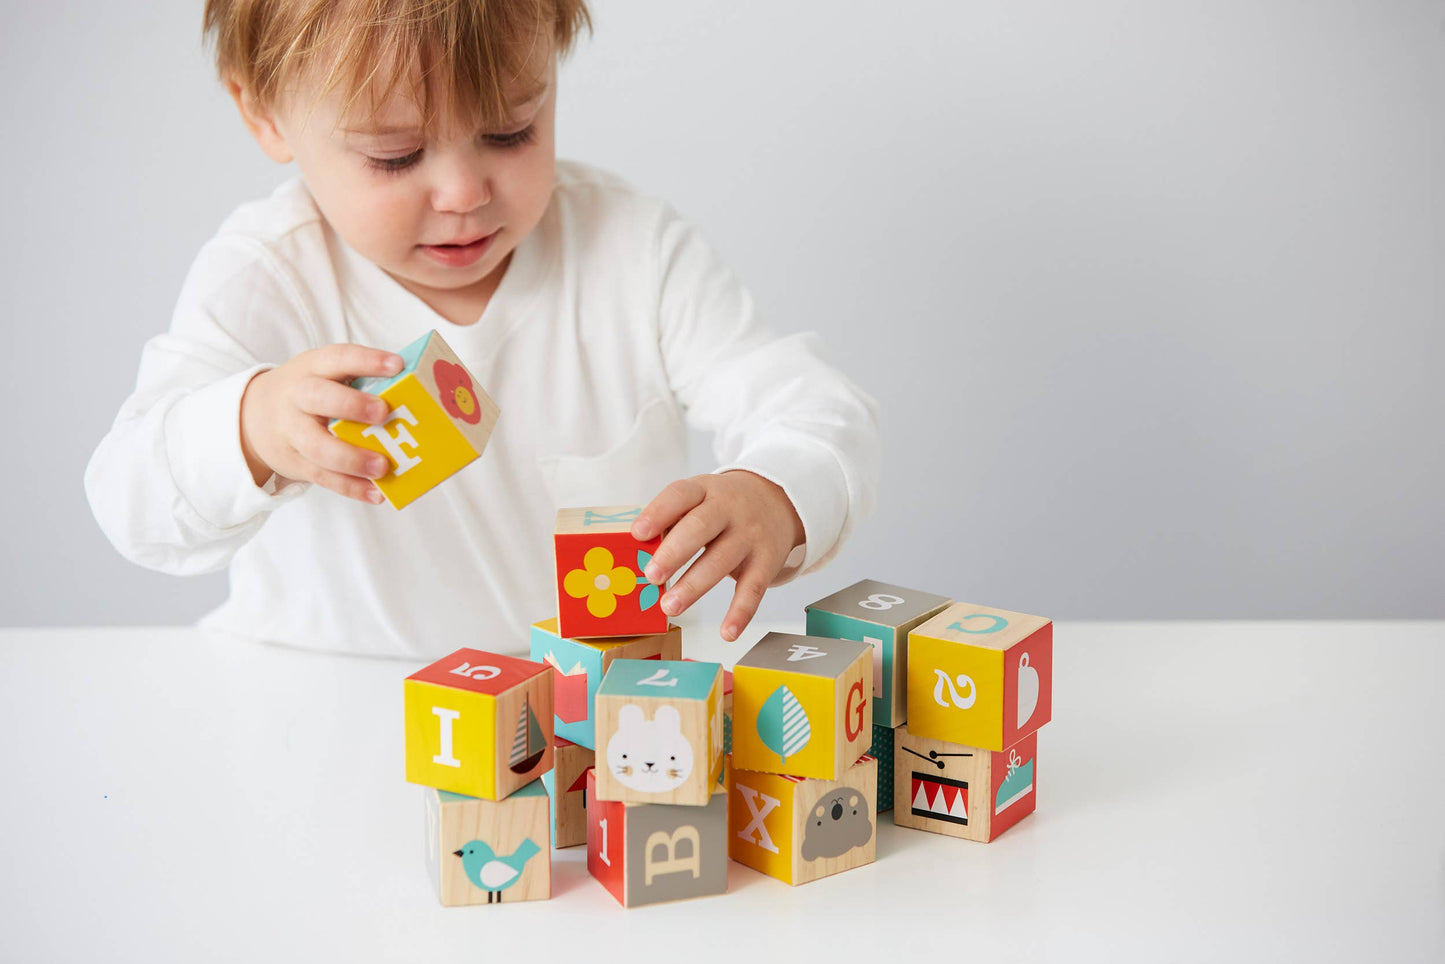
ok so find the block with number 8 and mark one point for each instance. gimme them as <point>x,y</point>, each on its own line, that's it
<point>659,731</point>
<point>478,724</point>
<point>880,615</point>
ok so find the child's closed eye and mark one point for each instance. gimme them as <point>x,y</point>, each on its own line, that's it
<point>393,165</point>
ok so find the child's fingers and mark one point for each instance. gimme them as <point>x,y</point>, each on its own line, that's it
<point>694,531</point>
<point>671,504</point>
<point>719,559</point>
<point>362,490</point>
<point>328,399</point>
<point>752,582</point>
<point>345,362</point>
<point>328,452</point>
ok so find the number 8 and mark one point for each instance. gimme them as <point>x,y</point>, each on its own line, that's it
<point>881,600</point>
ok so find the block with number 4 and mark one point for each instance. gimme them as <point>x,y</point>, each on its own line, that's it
<point>660,731</point>
<point>646,853</point>
<point>797,829</point>
<point>981,677</point>
<point>801,705</point>
<point>488,851</point>
<point>962,791</point>
<point>478,724</point>
<point>880,615</point>
<point>440,420</point>
<point>601,587</point>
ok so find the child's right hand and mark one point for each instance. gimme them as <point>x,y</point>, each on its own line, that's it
<point>285,411</point>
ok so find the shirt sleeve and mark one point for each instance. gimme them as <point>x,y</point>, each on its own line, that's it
<point>169,483</point>
<point>774,406</point>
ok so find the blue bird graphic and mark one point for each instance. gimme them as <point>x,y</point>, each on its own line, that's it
<point>493,873</point>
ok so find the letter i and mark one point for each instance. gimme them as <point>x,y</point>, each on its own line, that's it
<point>444,755</point>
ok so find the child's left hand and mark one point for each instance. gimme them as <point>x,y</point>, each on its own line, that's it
<point>748,526</point>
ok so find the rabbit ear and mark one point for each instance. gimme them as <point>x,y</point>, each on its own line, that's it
<point>668,717</point>
<point>629,717</point>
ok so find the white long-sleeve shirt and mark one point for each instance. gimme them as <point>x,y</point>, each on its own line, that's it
<point>614,327</point>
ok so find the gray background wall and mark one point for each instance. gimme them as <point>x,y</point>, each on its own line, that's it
<point>1150,293</point>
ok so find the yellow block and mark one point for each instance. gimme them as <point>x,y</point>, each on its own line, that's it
<point>753,686</point>
<point>419,439</point>
<point>451,739</point>
<point>955,691</point>
<point>760,822</point>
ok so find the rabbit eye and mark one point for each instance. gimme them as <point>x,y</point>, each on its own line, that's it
<point>624,756</point>
<point>673,759</point>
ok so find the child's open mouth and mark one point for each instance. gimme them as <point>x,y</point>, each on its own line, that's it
<point>459,255</point>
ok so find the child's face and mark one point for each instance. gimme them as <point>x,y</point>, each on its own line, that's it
<point>440,214</point>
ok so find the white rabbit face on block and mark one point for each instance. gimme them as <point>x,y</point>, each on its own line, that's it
<point>659,731</point>
<point>650,756</point>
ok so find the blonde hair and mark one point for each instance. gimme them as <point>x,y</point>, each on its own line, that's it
<point>457,59</point>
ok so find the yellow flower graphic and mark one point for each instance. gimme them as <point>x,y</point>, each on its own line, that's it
<point>599,582</point>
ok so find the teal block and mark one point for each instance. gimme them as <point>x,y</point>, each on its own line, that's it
<point>573,719</point>
<point>882,751</point>
<point>834,626</point>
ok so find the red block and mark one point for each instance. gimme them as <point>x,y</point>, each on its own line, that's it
<point>601,588</point>
<point>606,826</point>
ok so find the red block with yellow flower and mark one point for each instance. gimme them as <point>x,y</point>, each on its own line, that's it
<point>439,422</point>
<point>601,588</point>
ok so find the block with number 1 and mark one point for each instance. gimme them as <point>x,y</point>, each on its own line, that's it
<point>478,724</point>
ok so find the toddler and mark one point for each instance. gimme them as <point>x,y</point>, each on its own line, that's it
<point>429,196</point>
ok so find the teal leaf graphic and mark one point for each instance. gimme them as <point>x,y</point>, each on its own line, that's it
<point>643,558</point>
<point>648,598</point>
<point>782,725</point>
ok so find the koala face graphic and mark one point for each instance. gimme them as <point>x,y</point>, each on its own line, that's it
<point>836,824</point>
<point>650,756</point>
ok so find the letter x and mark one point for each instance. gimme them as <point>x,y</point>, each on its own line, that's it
<point>758,817</point>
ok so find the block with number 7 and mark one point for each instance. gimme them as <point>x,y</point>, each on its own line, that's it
<point>659,731</point>
<point>801,705</point>
<point>880,615</point>
<point>478,723</point>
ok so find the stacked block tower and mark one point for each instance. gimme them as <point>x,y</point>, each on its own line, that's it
<point>964,689</point>
<point>644,728</point>
<point>803,794</point>
<point>478,737</point>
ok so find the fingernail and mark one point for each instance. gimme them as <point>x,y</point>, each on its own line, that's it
<point>730,633</point>
<point>379,412</point>
<point>375,496</point>
<point>394,363</point>
<point>642,528</point>
<point>670,606</point>
<point>651,572</point>
<point>376,468</point>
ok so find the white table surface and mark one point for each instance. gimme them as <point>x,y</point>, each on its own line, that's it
<point>1207,791</point>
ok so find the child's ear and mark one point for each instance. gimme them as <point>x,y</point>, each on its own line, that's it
<point>260,121</point>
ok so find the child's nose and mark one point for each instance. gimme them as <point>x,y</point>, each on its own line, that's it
<point>461,186</point>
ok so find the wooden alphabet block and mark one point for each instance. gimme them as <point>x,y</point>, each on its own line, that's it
<point>440,420</point>
<point>570,764</point>
<point>727,709</point>
<point>880,615</point>
<point>488,851</point>
<point>601,588</point>
<point>646,853</point>
<point>981,677</point>
<point>478,724</point>
<point>801,705</point>
<point>798,829</point>
<point>660,731</point>
<point>962,791</point>
<point>580,664</point>
<point>882,751</point>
